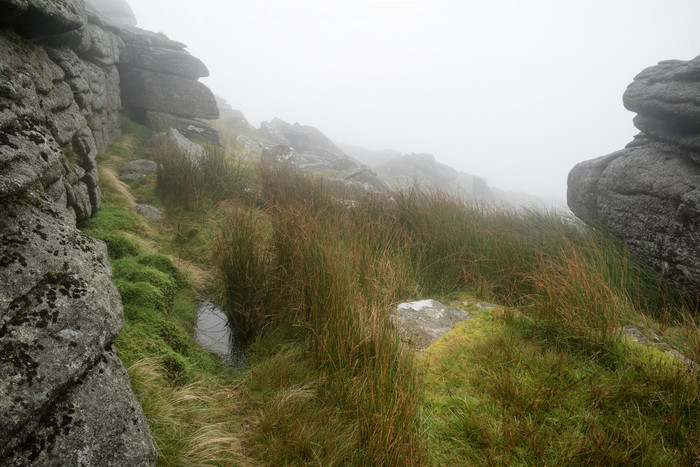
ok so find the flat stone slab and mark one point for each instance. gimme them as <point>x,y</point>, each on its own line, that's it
<point>133,170</point>
<point>423,322</point>
<point>148,210</point>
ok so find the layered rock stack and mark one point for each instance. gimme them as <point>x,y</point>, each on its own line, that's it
<point>648,194</point>
<point>65,398</point>
<point>159,78</point>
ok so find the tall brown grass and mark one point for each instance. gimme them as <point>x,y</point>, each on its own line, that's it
<point>333,269</point>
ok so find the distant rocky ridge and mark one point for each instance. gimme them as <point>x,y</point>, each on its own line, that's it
<point>307,148</point>
<point>648,194</point>
<point>65,72</point>
<point>406,170</point>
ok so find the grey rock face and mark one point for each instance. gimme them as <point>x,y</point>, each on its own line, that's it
<point>300,137</point>
<point>149,90</point>
<point>65,398</point>
<point>423,170</point>
<point>193,152</point>
<point>648,194</point>
<point>190,128</point>
<point>159,78</point>
<point>41,17</point>
<point>133,170</point>
<point>423,322</point>
<point>307,149</point>
<point>164,60</point>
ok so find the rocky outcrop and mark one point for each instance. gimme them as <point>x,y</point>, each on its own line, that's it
<point>159,85</point>
<point>302,138</point>
<point>65,397</point>
<point>307,149</point>
<point>423,170</point>
<point>648,194</point>
<point>158,76</point>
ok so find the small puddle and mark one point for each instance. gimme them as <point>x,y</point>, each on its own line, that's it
<point>214,334</point>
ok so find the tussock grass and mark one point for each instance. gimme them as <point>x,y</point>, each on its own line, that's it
<point>196,183</point>
<point>193,424</point>
<point>309,277</point>
<point>332,270</point>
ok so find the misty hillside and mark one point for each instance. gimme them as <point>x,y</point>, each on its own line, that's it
<point>383,169</point>
<point>179,287</point>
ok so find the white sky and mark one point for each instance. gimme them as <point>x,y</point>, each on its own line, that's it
<point>512,90</point>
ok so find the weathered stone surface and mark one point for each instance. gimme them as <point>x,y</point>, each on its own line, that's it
<point>307,149</point>
<point>148,210</point>
<point>423,322</point>
<point>164,60</point>
<point>42,17</point>
<point>301,138</point>
<point>193,152</point>
<point>138,36</point>
<point>149,90</point>
<point>97,422</point>
<point>311,161</point>
<point>45,134</point>
<point>133,170</point>
<point>666,98</point>
<point>117,12</point>
<point>59,311</point>
<point>364,178</point>
<point>104,47</point>
<point>648,194</point>
<point>191,129</point>
<point>65,399</point>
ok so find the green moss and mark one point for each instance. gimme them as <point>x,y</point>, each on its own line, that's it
<point>137,296</point>
<point>118,245</point>
<point>131,270</point>
<point>163,263</point>
<point>109,218</point>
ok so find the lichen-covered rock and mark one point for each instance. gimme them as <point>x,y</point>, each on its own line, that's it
<point>423,322</point>
<point>648,194</point>
<point>59,311</point>
<point>65,398</point>
<point>98,421</point>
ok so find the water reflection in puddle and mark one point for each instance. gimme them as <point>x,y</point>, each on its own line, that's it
<point>214,334</point>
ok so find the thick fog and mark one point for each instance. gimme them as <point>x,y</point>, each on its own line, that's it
<point>515,91</point>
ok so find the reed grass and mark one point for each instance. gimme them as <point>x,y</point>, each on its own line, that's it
<point>309,277</point>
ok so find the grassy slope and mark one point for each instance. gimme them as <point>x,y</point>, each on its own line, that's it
<point>550,382</point>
